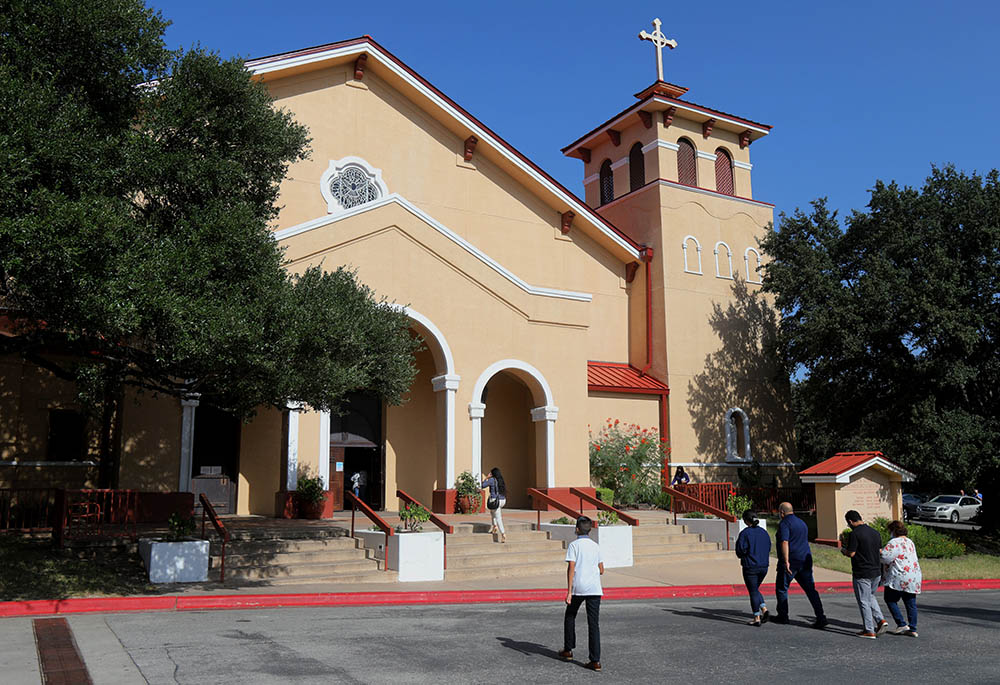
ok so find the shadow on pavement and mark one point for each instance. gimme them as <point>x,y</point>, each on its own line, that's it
<point>974,613</point>
<point>742,617</point>
<point>529,648</point>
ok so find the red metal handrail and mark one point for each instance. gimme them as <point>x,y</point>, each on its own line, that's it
<point>600,504</point>
<point>714,494</point>
<point>538,497</point>
<point>208,510</point>
<point>435,519</point>
<point>703,506</point>
<point>356,503</point>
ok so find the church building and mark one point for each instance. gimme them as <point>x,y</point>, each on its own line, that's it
<point>544,311</point>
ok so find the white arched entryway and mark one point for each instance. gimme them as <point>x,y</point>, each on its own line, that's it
<point>445,380</point>
<point>543,412</point>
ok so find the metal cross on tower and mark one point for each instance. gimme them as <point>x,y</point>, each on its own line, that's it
<point>660,41</point>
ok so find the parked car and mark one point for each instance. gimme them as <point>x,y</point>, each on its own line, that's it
<point>910,504</point>
<point>952,508</point>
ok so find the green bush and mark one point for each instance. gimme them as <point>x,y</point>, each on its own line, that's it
<point>181,527</point>
<point>695,515</point>
<point>628,460</point>
<point>309,489</point>
<point>663,500</point>
<point>606,495</point>
<point>929,543</point>
<point>564,520</point>
<point>606,518</point>
<point>737,504</point>
<point>413,516</point>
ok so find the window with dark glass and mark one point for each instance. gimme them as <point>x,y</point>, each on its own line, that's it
<point>687,169</point>
<point>636,168</point>
<point>607,182</point>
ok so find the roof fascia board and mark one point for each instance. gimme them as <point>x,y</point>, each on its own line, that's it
<point>679,104</point>
<point>395,198</point>
<point>575,204</point>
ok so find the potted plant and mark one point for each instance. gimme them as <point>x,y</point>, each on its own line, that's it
<point>413,517</point>
<point>310,497</point>
<point>180,558</point>
<point>468,492</point>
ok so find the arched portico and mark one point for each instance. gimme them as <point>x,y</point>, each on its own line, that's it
<point>543,413</point>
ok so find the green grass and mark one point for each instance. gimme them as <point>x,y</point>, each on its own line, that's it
<point>32,569</point>
<point>976,564</point>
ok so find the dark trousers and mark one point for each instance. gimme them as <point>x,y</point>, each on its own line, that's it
<point>892,598</point>
<point>593,624</point>
<point>802,572</point>
<point>753,577</point>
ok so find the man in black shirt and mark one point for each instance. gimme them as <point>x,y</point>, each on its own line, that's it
<point>863,546</point>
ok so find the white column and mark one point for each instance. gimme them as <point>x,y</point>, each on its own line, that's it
<point>292,473</point>
<point>449,384</point>
<point>324,449</point>
<point>548,414</point>
<point>476,412</point>
<point>188,406</point>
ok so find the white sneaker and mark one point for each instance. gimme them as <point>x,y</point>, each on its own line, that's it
<point>901,630</point>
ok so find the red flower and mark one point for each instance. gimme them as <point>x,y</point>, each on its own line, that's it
<point>627,448</point>
<point>616,422</point>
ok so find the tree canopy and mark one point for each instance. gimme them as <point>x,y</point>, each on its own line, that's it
<point>890,326</point>
<point>138,186</point>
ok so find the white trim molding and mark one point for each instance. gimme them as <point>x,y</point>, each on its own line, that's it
<point>395,198</point>
<point>729,257</point>
<point>673,147</point>
<point>583,212</point>
<point>697,248</point>
<point>292,445</point>
<point>736,464</point>
<point>742,165</point>
<point>324,449</point>
<point>593,178</point>
<point>547,412</point>
<point>373,175</point>
<point>732,438</point>
<point>706,155</point>
<point>619,164</point>
<point>756,270</point>
<point>715,193</point>
<point>188,407</point>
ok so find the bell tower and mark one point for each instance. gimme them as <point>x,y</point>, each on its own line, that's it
<point>676,176</point>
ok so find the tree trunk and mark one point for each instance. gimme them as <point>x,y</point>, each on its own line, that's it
<point>111,438</point>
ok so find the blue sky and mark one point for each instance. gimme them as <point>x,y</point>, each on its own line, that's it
<point>856,91</point>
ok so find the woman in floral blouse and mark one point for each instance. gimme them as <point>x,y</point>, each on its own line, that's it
<point>901,577</point>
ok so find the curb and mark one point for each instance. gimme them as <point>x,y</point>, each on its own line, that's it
<point>49,607</point>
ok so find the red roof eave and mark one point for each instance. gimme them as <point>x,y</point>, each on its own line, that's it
<point>620,377</point>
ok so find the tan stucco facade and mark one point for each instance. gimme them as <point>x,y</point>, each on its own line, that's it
<point>873,493</point>
<point>511,307</point>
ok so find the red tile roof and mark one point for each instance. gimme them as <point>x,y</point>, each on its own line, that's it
<point>612,376</point>
<point>839,463</point>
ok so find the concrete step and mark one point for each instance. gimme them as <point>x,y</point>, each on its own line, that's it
<point>466,529</point>
<point>510,559</point>
<point>513,537</point>
<point>665,539</point>
<point>646,528</point>
<point>269,571</point>
<point>693,546</point>
<point>276,546</point>
<point>491,547</point>
<point>370,577</point>
<point>284,533</point>
<point>263,558</point>
<point>708,555</point>
<point>556,569</point>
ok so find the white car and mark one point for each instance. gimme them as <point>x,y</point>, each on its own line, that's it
<point>952,508</point>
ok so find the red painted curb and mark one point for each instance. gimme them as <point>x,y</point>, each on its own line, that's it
<point>329,599</point>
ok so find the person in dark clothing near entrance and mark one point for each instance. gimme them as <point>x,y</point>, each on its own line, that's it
<point>864,547</point>
<point>753,547</point>
<point>795,561</point>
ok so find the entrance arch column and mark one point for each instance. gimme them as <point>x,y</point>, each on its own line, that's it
<point>449,384</point>
<point>548,414</point>
<point>476,412</point>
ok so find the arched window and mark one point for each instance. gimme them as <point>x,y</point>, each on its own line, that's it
<point>692,262</point>
<point>727,271</point>
<point>737,429</point>
<point>724,173</point>
<point>607,182</point>
<point>687,167</point>
<point>351,182</point>
<point>636,168</point>
<point>752,265</point>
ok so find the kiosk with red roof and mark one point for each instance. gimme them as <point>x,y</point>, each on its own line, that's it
<point>864,481</point>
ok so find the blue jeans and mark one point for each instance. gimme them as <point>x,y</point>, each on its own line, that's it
<point>892,598</point>
<point>802,572</point>
<point>753,577</point>
<point>593,624</point>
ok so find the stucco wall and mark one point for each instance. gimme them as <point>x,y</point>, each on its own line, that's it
<point>151,436</point>
<point>261,444</point>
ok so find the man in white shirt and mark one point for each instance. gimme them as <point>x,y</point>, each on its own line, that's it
<point>583,584</point>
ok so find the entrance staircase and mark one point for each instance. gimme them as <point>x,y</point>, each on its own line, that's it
<point>658,543</point>
<point>475,554</point>
<point>289,556</point>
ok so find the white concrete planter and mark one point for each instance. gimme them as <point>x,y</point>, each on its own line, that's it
<point>183,561</point>
<point>714,530</point>
<point>615,541</point>
<point>374,540</point>
<point>417,556</point>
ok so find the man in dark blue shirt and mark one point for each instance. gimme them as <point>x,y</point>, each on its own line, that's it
<point>795,561</point>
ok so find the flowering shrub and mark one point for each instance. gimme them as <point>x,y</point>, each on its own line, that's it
<point>737,504</point>
<point>629,460</point>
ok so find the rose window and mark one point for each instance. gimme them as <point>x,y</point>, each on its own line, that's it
<point>353,186</point>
